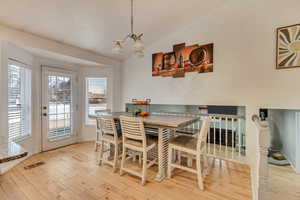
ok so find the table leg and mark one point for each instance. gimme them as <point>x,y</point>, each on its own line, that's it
<point>163,145</point>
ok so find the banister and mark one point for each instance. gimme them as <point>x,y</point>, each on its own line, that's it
<point>262,158</point>
<point>258,122</point>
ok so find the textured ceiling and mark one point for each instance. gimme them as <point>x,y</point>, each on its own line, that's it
<point>94,24</point>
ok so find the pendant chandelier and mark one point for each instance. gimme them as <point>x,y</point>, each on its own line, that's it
<point>138,45</point>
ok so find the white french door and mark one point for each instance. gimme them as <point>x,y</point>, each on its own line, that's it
<point>58,108</point>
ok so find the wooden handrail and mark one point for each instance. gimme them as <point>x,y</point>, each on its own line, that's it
<point>205,115</point>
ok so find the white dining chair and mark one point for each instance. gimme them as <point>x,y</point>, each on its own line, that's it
<point>98,134</point>
<point>109,136</point>
<point>98,127</point>
<point>134,139</point>
<point>193,146</point>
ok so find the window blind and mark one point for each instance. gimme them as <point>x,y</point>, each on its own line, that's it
<point>19,101</point>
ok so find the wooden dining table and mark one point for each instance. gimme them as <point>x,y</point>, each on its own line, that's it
<point>167,126</point>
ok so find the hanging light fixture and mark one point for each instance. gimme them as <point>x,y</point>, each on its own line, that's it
<point>138,45</point>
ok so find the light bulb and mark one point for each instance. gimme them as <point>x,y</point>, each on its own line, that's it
<point>139,53</point>
<point>117,46</point>
<point>138,45</point>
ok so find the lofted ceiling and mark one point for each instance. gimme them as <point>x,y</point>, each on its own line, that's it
<point>94,24</point>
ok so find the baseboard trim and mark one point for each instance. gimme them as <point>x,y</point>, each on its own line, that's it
<point>292,165</point>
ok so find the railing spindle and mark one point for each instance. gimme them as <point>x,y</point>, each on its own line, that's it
<point>214,121</point>
<point>232,136</point>
<point>239,136</point>
<point>208,133</point>
<point>220,135</point>
<point>226,134</point>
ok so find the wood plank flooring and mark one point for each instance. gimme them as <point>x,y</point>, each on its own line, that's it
<point>284,183</point>
<point>71,173</point>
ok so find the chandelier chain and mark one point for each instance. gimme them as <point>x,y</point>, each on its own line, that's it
<point>131,16</point>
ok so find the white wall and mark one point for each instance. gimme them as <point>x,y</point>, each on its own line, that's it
<point>243,33</point>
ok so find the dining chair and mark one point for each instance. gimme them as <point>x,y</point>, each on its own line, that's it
<point>109,135</point>
<point>194,146</point>
<point>98,127</point>
<point>135,139</point>
<point>98,133</point>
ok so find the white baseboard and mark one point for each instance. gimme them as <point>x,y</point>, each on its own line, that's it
<point>292,165</point>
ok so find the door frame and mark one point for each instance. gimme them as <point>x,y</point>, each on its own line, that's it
<point>47,144</point>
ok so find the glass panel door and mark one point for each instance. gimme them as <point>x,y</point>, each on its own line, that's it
<point>58,108</point>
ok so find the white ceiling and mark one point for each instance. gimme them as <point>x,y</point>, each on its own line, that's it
<point>94,24</point>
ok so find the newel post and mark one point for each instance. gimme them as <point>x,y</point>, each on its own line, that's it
<point>262,155</point>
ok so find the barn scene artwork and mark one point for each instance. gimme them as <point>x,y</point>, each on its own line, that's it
<point>182,59</point>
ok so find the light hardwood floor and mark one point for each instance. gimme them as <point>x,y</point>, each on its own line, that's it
<point>72,173</point>
<point>284,183</point>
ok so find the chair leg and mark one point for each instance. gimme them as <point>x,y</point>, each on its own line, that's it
<point>213,162</point>
<point>101,153</point>
<point>134,156</point>
<point>123,160</point>
<point>140,158</point>
<point>199,172</point>
<point>170,156</point>
<point>179,156</point>
<point>206,165</point>
<point>96,146</point>
<point>115,158</point>
<point>190,161</point>
<point>96,143</point>
<point>144,172</point>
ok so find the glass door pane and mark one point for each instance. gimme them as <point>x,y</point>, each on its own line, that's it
<point>60,106</point>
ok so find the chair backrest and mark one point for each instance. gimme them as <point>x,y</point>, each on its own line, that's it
<point>107,126</point>
<point>133,128</point>
<point>202,137</point>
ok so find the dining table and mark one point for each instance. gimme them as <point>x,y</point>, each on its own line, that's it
<point>166,126</point>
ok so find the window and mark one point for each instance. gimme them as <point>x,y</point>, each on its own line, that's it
<point>96,98</point>
<point>19,101</point>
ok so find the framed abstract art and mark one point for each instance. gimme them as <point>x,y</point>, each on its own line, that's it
<point>288,47</point>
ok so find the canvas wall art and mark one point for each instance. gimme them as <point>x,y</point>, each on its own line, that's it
<point>288,47</point>
<point>182,59</point>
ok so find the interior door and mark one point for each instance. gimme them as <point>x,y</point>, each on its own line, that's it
<point>58,108</point>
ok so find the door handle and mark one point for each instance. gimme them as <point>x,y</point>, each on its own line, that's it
<point>45,114</point>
